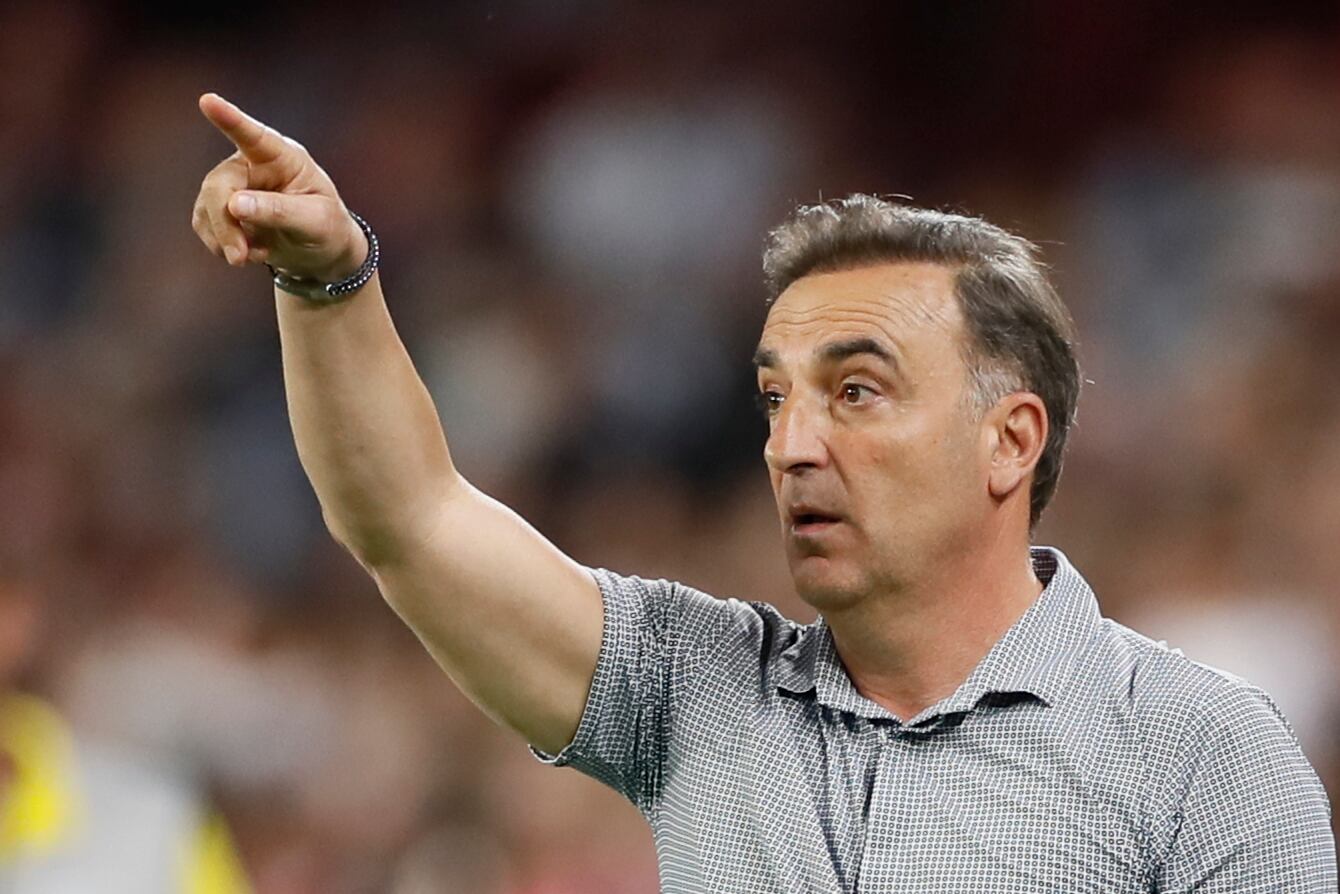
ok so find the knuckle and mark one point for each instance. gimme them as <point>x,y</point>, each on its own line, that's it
<point>210,189</point>
<point>335,215</point>
<point>212,206</point>
<point>275,210</point>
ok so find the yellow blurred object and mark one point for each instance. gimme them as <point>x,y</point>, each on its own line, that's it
<point>213,867</point>
<point>40,805</point>
<point>47,821</point>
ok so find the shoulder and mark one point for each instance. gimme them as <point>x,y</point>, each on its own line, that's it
<point>1227,789</point>
<point>683,616</point>
<point>1174,696</point>
<point>1194,721</point>
<point>1204,739</point>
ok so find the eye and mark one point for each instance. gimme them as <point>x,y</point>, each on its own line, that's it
<point>769,402</point>
<point>854,394</point>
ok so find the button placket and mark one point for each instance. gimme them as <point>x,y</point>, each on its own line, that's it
<point>886,824</point>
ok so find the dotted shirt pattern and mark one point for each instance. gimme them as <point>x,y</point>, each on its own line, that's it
<point>1077,756</point>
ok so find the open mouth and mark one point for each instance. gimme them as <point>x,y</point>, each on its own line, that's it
<point>812,523</point>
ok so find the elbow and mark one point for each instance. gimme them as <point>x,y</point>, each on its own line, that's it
<point>387,538</point>
<point>372,546</point>
<point>370,553</point>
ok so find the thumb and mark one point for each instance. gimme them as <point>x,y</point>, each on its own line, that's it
<point>308,217</point>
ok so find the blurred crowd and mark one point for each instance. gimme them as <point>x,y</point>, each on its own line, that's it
<point>571,200</point>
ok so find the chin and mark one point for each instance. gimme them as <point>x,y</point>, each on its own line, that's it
<point>826,586</point>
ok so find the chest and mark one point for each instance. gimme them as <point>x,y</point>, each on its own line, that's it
<point>791,796</point>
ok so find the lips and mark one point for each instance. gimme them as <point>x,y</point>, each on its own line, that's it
<point>812,518</point>
<point>808,519</point>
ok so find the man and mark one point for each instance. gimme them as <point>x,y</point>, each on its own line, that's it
<point>961,718</point>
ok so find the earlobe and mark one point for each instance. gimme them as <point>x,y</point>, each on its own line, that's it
<point>1018,436</point>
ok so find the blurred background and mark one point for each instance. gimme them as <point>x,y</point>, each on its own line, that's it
<point>571,200</point>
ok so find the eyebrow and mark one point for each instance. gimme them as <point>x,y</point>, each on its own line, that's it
<point>841,350</point>
<point>766,358</point>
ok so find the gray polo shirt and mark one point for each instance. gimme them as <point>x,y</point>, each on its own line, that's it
<point>1077,756</point>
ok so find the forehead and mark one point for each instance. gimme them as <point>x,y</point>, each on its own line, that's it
<point>912,306</point>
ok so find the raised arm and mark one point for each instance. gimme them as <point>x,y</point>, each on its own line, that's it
<point>513,621</point>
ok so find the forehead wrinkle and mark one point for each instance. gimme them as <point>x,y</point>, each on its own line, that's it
<point>917,306</point>
<point>828,315</point>
<point>850,324</point>
<point>894,314</point>
<point>897,304</point>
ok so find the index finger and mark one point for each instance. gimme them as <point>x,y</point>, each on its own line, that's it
<point>254,140</point>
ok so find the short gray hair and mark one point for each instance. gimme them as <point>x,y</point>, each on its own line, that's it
<point>1020,335</point>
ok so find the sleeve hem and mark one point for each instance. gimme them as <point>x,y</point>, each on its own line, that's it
<point>586,727</point>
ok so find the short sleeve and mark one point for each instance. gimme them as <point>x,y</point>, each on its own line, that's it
<point>1255,816</point>
<point>658,639</point>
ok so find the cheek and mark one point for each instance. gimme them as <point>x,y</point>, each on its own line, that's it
<point>885,480</point>
<point>914,470</point>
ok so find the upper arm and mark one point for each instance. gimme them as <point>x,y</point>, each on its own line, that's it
<point>662,642</point>
<point>1254,816</point>
<point>510,618</point>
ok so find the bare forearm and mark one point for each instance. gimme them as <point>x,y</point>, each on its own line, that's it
<point>367,432</point>
<point>514,621</point>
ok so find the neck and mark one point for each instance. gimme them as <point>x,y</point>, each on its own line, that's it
<point>907,650</point>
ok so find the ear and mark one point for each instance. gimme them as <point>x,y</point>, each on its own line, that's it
<point>1018,432</point>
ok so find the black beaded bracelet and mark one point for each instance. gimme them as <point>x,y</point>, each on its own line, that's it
<point>335,292</point>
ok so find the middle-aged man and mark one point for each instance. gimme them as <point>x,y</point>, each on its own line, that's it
<point>961,718</point>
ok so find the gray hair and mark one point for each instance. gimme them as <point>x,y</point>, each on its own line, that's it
<point>1020,336</point>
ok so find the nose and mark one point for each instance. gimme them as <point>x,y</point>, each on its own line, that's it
<point>798,439</point>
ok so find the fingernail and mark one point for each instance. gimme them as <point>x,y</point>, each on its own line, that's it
<point>231,254</point>
<point>244,204</point>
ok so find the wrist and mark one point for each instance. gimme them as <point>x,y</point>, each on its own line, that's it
<point>351,258</point>
<point>356,266</point>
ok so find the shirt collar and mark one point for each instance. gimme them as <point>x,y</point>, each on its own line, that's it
<point>1034,656</point>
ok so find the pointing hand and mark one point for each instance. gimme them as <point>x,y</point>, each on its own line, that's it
<point>270,203</point>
